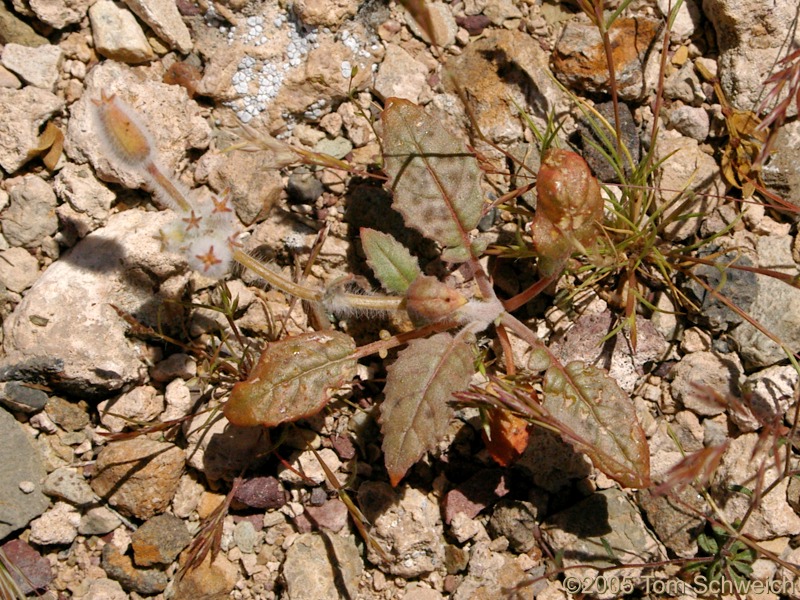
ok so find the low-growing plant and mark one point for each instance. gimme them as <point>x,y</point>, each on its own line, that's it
<point>611,243</point>
<point>435,182</point>
<point>730,558</point>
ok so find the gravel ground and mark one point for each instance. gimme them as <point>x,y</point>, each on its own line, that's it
<point>107,332</point>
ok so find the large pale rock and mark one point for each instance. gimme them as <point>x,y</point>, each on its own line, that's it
<point>752,35</point>
<point>24,112</point>
<point>67,484</point>
<point>37,66</point>
<point>407,524</point>
<point>210,580</point>
<point>8,79</point>
<point>221,450</point>
<point>59,13</point>
<point>30,216</point>
<point>624,364</point>
<point>142,404</point>
<point>400,75</point>
<point>267,67</point>
<point>782,171</point>
<point>66,323</point>
<point>163,18</point>
<point>315,565</point>
<point>740,466</point>
<point>768,394</point>
<point>691,121</point>
<point>15,30</point>
<point>117,35</point>
<point>672,441</point>
<point>249,179</point>
<point>165,110</point>
<point>585,531</point>
<point>776,307</point>
<point>308,464</point>
<point>442,21</point>
<point>500,11</point>
<point>685,168</point>
<point>675,519</point>
<point>325,14</point>
<point>59,525</point>
<point>699,375</point>
<point>18,269</point>
<point>77,186</point>
<point>322,76</point>
<point>491,574</point>
<point>686,21</point>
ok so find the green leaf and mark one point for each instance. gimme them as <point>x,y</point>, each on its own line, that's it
<point>599,419</point>
<point>292,380</point>
<point>708,544</point>
<point>416,411</point>
<point>434,178</point>
<point>391,262</point>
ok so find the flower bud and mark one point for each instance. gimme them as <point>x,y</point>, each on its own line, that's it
<point>428,299</point>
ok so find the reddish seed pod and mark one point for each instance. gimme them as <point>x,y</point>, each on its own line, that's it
<point>569,209</point>
<point>568,194</point>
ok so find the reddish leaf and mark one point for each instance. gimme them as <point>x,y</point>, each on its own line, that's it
<point>699,467</point>
<point>416,410</point>
<point>569,209</point>
<point>50,145</point>
<point>509,436</point>
<point>292,380</point>
<point>597,418</point>
<point>435,180</point>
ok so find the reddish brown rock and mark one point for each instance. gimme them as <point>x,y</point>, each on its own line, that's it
<point>498,70</point>
<point>33,566</point>
<point>474,24</point>
<point>138,476</point>
<point>332,516</point>
<point>579,60</point>
<point>159,540</point>
<point>343,446</point>
<point>479,491</point>
<point>210,580</point>
<point>262,492</point>
<point>120,568</point>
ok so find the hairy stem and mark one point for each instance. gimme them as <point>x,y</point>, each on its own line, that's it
<point>165,184</point>
<point>377,303</point>
<point>275,279</point>
<point>343,301</point>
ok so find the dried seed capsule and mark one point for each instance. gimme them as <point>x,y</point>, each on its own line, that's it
<point>121,132</point>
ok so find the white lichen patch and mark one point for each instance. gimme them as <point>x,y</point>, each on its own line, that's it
<point>272,45</point>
